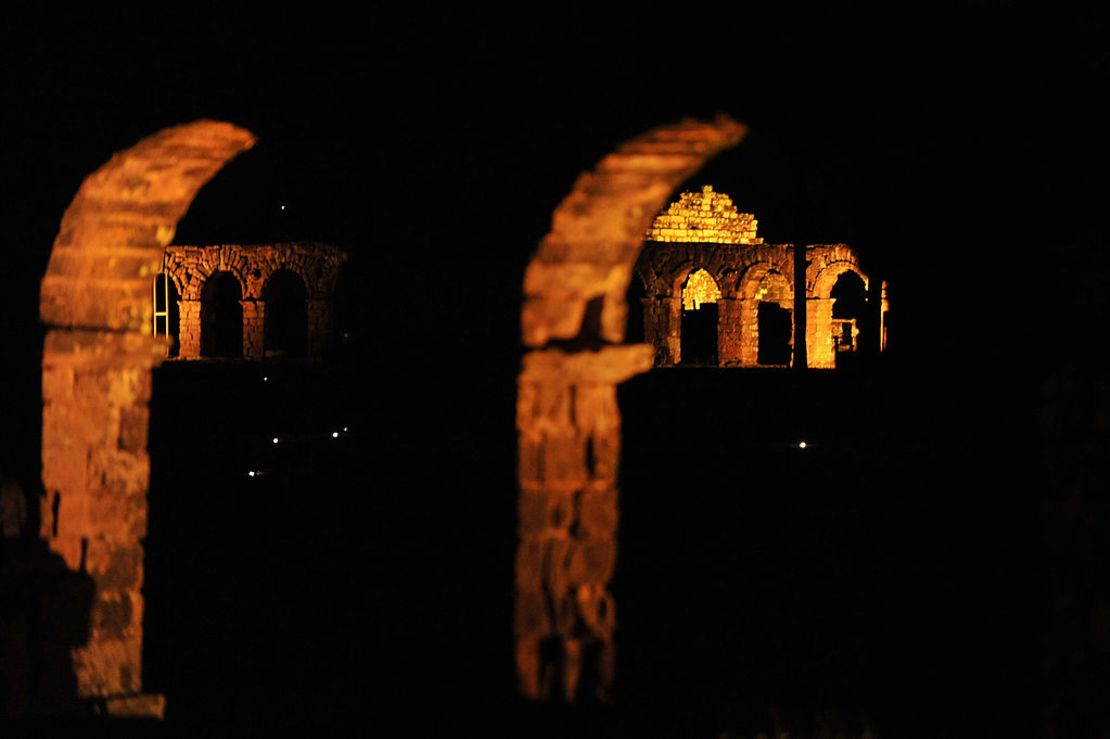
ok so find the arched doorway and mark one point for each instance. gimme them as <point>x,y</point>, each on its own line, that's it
<point>774,321</point>
<point>700,294</point>
<point>221,317</point>
<point>286,321</point>
<point>849,314</point>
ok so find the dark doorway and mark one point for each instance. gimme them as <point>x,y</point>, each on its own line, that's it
<point>286,328</point>
<point>849,319</point>
<point>221,317</point>
<point>634,329</point>
<point>699,335</point>
<point>698,341</point>
<point>775,329</point>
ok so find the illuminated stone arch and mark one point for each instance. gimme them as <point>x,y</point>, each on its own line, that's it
<point>567,416</point>
<point>97,361</point>
<point>827,262</point>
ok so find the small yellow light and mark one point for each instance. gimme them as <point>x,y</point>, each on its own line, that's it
<point>802,445</point>
<point>275,440</point>
<point>251,473</point>
<point>335,434</point>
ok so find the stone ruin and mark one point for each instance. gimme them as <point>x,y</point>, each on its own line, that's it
<point>277,299</point>
<point>701,252</point>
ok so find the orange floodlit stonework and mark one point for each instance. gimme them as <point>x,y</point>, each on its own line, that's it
<point>705,216</point>
<point>96,383</point>
<point>313,268</point>
<point>754,286</point>
<point>700,288</point>
<point>573,322</point>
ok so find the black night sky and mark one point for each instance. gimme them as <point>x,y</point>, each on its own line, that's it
<point>962,153</point>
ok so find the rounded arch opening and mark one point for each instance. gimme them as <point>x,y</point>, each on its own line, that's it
<point>700,317</point>
<point>849,316</point>
<point>221,317</point>
<point>286,317</point>
<point>567,402</point>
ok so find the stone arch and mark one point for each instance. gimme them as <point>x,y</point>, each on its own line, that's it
<point>824,280</point>
<point>567,417</point>
<point>212,262</point>
<point>827,264</point>
<point>285,324</point>
<point>221,316</point>
<point>97,361</point>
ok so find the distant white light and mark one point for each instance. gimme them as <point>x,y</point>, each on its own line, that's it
<point>264,378</point>
<point>251,473</point>
<point>283,207</point>
<point>335,434</point>
<point>275,440</point>
<point>344,429</point>
<point>801,445</point>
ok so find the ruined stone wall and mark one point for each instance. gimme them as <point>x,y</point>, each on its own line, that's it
<point>827,262</point>
<point>567,419</point>
<point>97,358</point>
<point>317,265</point>
<point>746,276</point>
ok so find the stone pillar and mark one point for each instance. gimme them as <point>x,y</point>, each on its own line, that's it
<point>254,328</point>
<point>96,389</point>
<point>820,349</point>
<point>569,442</point>
<point>319,326</point>
<point>663,329</point>
<point>189,329</point>
<point>730,332</point>
<point>749,333</point>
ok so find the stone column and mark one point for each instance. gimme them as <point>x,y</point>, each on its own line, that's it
<point>749,333</point>
<point>319,326</point>
<point>569,442</point>
<point>663,328</point>
<point>819,338</point>
<point>730,332</point>
<point>254,328</point>
<point>189,329</point>
<point>96,389</point>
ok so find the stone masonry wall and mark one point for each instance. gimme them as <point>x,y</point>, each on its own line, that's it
<point>317,265</point>
<point>567,419</point>
<point>97,358</point>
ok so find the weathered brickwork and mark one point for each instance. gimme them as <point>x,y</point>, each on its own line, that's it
<point>827,262</point>
<point>190,267</point>
<point>97,361</point>
<point>747,273</point>
<point>567,416</point>
<point>704,216</point>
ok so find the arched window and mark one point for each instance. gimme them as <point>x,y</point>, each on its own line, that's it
<point>286,323</point>
<point>167,318</point>
<point>774,321</point>
<point>699,319</point>
<point>221,317</point>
